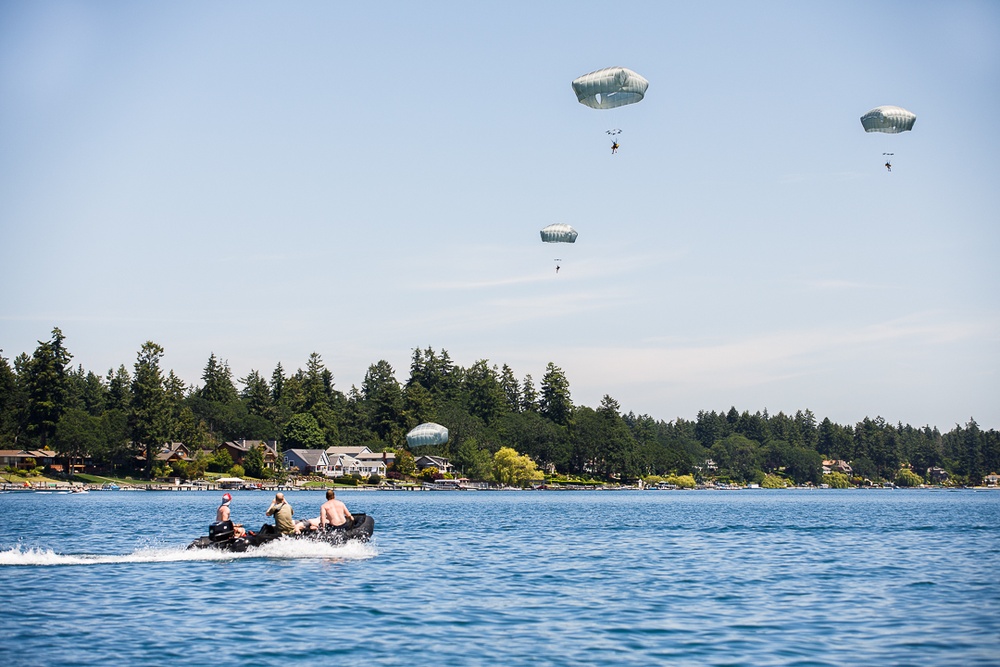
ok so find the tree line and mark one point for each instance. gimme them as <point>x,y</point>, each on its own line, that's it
<point>119,418</point>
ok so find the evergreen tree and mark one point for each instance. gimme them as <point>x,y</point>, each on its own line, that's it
<point>47,387</point>
<point>383,399</point>
<point>712,427</point>
<point>511,389</point>
<point>418,405</point>
<point>483,393</point>
<point>148,416</point>
<point>529,397</point>
<point>219,387</point>
<point>119,389</point>
<point>805,420</point>
<point>318,397</point>
<point>620,457</point>
<point>11,402</point>
<point>555,402</point>
<point>277,384</point>
<point>256,394</point>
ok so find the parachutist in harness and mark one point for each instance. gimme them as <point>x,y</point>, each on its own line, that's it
<point>888,165</point>
<point>614,142</point>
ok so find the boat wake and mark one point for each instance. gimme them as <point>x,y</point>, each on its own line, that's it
<point>278,549</point>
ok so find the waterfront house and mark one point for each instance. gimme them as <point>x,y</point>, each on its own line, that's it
<point>441,463</point>
<point>937,475</point>
<point>308,461</point>
<point>172,452</point>
<point>342,464</point>
<point>359,460</point>
<point>992,479</point>
<point>837,466</point>
<point>23,459</point>
<point>238,449</point>
<point>709,466</point>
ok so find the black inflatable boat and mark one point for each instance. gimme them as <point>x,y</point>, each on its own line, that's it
<point>221,535</point>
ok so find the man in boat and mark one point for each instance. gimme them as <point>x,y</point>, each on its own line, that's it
<point>223,514</point>
<point>282,513</point>
<point>333,513</point>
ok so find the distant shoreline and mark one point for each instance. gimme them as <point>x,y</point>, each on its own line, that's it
<point>67,488</point>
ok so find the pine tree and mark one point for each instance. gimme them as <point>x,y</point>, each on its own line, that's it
<point>555,404</point>
<point>47,387</point>
<point>148,414</point>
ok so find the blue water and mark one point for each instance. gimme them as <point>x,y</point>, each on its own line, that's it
<point>510,578</point>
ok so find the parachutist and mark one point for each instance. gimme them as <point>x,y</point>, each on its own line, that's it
<point>557,268</point>
<point>614,147</point>
<point>888,165</point>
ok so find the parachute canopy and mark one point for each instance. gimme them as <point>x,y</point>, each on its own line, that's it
<point>609,88</point>
<point>559,233</point>
<point>889,119</point>
<point>427,434</point>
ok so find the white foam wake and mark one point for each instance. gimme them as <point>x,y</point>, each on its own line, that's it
<point>285,549</point>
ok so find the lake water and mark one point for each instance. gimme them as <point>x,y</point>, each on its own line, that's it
<point>510,578</point>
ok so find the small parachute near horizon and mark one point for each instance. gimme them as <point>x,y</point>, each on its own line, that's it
<point>888,120</point>
<point>427,433</point>
<point>558,233</point>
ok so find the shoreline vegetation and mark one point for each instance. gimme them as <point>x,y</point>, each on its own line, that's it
<point>144,426</point>
<point>102,483</point>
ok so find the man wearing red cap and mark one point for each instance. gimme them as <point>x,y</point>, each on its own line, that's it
<point>223,515</point>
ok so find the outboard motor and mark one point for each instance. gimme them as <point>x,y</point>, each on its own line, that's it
<point>220,531</point>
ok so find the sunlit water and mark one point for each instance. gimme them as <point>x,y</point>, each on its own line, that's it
<point>510,578</point>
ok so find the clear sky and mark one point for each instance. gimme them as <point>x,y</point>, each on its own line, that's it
<point>263,180</point>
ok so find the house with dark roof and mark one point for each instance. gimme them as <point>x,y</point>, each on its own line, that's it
<point>442,464</point>
<point>238,449</point>
<point>174,451</point>
<point>308,461</point>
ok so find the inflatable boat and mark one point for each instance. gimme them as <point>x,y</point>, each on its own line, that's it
<point>222,535</point>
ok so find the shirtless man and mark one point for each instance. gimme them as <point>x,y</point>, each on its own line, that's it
<point>223,514</point>
<point>333,513</point>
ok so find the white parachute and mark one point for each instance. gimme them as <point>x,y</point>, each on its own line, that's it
<point>427,433</point>
<point>610,88</point>
<point>559,233</point>
<point>888,119</point>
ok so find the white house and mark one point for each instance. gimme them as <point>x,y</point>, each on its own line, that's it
<point>359,461</point>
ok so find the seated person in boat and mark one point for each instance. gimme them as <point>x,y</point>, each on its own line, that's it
<point>223,514</point>
<point>282,513</point>
<point>333,513</point>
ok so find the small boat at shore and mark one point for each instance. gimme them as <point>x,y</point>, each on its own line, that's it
<point>222,535</point>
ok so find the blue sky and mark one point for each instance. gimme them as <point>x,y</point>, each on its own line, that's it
<point>264,180</point>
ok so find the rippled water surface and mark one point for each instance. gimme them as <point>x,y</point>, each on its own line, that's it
<point>510,578</point>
